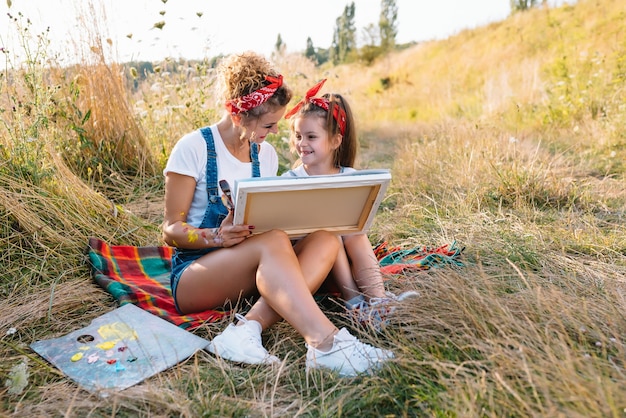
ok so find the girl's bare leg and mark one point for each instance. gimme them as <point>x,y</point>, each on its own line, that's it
<point>365,266</point>
<point>284,276</point>
<point>342,275</point>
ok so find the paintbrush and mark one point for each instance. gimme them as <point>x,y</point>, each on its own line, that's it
<point>228,201</point>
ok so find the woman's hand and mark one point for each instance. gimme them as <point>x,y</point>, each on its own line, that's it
<point>230,235</point>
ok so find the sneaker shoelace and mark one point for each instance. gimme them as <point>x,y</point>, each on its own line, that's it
<point>249,333</point>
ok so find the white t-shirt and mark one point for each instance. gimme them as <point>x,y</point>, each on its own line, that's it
<point>189,157</point>
<point>299,171</point>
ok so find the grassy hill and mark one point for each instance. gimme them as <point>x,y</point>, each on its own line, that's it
<point>508,139</point>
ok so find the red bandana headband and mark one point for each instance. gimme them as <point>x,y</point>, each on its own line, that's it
<point>338,113</point>
<point>256,98</point>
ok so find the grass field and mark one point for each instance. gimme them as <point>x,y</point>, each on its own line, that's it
<point>509,139</point>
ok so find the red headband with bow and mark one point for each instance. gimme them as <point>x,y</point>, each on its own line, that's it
<point>338,113</point>
<point>256,98</point>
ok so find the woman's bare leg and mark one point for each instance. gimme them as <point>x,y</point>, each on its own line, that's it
<point>284,276</point>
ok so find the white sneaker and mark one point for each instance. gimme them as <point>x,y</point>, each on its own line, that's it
<point>348,356</point>
<point>242,343</point>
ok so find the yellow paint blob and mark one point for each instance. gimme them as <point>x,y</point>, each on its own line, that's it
<point>114,333</point>
<point>107,345</point>
<point>76,357</point>
<point>117,330</point>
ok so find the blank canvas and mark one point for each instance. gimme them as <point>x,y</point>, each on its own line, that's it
<point>344,204</point>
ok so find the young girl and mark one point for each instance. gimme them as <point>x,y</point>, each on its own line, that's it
<point>217,263</point>
<point>324,137</point>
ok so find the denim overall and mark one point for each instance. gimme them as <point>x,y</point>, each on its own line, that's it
<point>215,210</point>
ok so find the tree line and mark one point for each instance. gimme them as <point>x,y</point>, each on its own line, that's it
<point>379,39</point>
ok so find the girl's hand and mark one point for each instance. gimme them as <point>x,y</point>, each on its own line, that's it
<point>231,235</point>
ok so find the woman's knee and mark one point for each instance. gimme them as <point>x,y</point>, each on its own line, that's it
<point>325,239</point>
<point>275,239</point>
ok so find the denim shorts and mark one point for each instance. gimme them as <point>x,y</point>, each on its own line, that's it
<point>180,261</point>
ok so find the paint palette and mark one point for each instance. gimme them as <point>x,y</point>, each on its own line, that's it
<point>119,349</point>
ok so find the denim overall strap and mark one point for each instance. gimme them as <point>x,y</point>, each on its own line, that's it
<point>254,157</point>
<point>215,211</point>
<point>211,163</point>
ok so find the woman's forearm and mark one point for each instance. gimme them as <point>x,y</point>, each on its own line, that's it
<point>182,235</point>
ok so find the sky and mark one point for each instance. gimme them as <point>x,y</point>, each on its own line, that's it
<point>196,29</point>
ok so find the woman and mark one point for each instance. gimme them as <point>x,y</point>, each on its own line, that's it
<point>216,262</point>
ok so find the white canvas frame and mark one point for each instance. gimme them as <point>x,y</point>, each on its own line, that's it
<point>344,204</point>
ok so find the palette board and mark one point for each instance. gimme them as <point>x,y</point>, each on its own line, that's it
<point>119,349</point>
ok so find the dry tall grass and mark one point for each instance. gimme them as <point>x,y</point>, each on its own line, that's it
<point>508,139</point>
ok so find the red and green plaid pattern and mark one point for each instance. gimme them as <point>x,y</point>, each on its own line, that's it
<point>141,275</point>
<point>395,260</point>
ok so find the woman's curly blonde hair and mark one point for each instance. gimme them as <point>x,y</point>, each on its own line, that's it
<point>241,74</point>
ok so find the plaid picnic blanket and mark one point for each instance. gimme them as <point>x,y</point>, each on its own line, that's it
<point>396,260</point>
<point>141,275</point>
